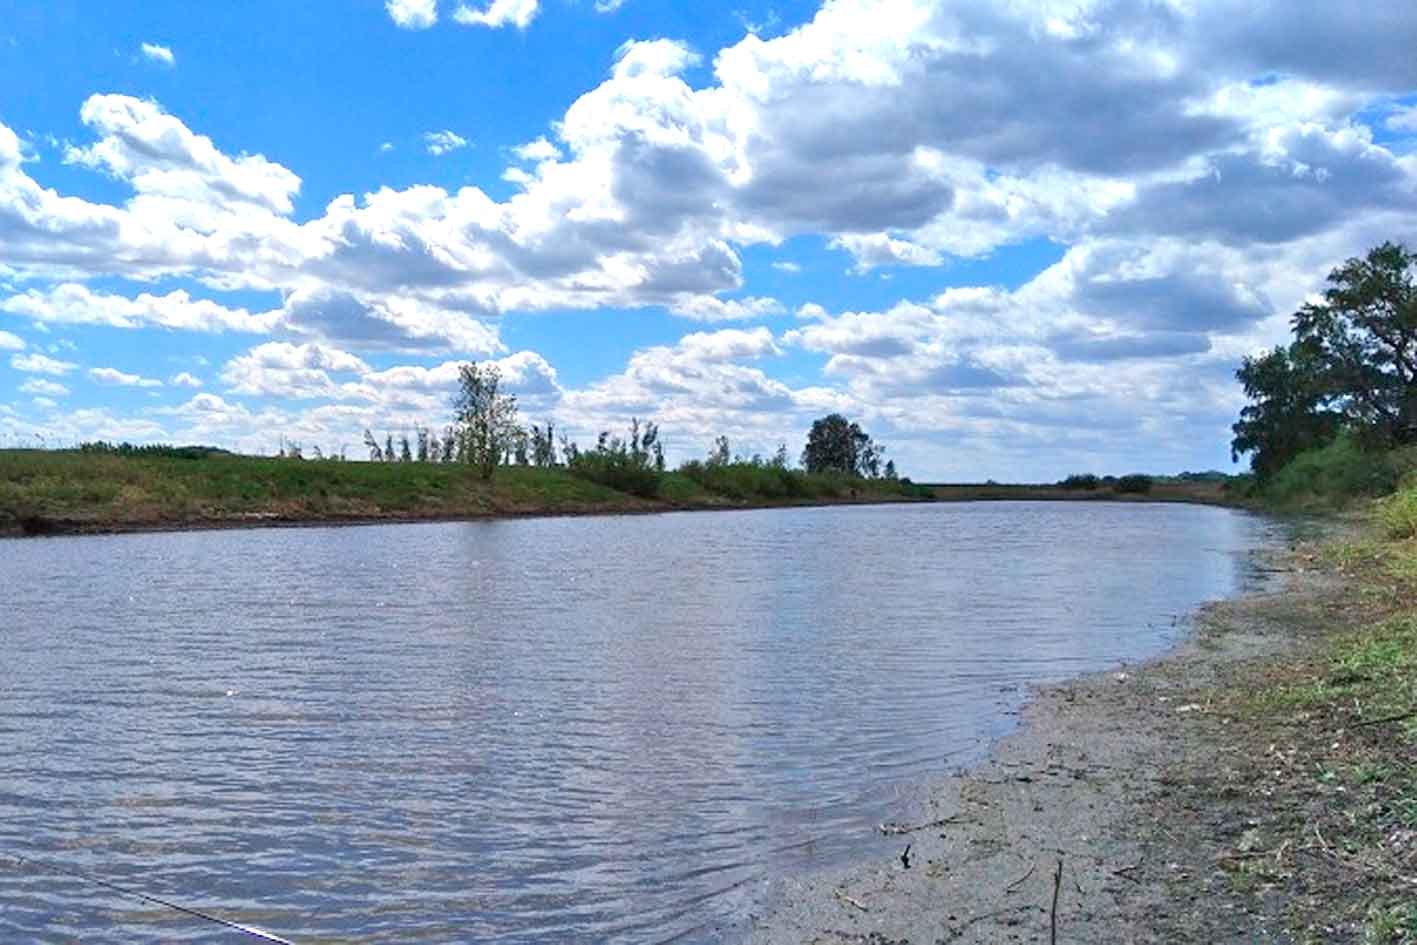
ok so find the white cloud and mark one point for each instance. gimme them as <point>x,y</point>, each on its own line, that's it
<point>159,54</point>
<point>117,378</point>
<point>76,304</point>
<point>412,14</point>
<point>40,364</point>
<point>440,143</point>
<point>787,266</point>
<point>186,379</point>
<point>608,6</point>
<point>498,13</point>
<point>40,387</point>
<point>9,342</point>
<point>1403,119</point>
<point>538,150</point>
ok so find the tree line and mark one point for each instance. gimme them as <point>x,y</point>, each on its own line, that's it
<point>1350,372</point>
<point>486,433</point>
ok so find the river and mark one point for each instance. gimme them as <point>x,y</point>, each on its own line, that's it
<point>539,730</point>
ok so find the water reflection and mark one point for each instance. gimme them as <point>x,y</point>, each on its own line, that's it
<point>534,730</point>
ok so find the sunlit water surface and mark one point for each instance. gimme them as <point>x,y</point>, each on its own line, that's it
<point>597,729</point>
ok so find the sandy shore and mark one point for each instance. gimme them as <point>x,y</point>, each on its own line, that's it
<point>1086,799</point>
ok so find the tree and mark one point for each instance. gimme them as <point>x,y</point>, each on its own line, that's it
<point>1287,415</point>
<point>1364,339</point>
<point>835,444</point>
<point>543,445</point>
<point>486,418</point>
<point>375,453</point>
<point>720,455</point>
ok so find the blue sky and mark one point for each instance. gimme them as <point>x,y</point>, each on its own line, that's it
<point>1014,240</point>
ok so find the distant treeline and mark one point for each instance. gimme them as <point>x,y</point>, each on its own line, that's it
<point>839,458</point>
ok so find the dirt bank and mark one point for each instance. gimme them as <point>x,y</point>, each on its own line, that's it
<point>1135,797</point>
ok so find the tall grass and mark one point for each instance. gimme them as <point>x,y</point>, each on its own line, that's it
<point>1340,471</point>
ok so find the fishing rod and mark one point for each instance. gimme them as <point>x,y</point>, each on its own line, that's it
<point>198,913</point>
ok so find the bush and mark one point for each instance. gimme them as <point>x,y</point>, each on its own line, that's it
<point>1134,485</point>
<point>1084,481</point>
<point>1340,471</point>
<point>617,470</point>
<point>1397,514</point>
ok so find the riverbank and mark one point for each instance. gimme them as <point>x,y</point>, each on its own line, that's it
<point>53,493</point>
<point>1257,784</point>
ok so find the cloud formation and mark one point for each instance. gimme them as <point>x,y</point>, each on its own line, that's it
<point>159,54</point>
<point>1198,166</point>
<point>412,14</point>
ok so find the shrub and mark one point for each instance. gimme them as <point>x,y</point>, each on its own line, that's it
<point>1085,481</point>
<point>1398,513</point>
<point>617,470</point>
<point>1339,471</point>
<point>1134,485</point>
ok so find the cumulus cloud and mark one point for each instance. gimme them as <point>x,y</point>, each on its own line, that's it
<point>183,173</point>
<point>75,304</point>
<point>159,54</point>
<point>186,379</point>
<point>42,388</point>
<point>1403,119</point>
<point>440,143</point>
<point>36,363</point>
<point>498,13</point>
<point>1199,165</point>
<point>412,14</point>
<point>9,342</point>
<point>117,378</point>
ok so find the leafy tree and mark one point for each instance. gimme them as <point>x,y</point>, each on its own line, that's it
<point>423,444</point>
<point>486,418</point>
<point>543,445</point>
<point>405,451</point>
<point>835,444</point>
<point>1364,340</point>
<point>375,453</point>
<point>1286,415</point>
<point>720,455</point>
<point>389,454</point>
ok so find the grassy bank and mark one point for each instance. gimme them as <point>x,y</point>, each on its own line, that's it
<point>1316,792</point>
<point>45,492</point>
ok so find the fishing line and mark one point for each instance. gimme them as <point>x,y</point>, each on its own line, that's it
<point>244,929</point>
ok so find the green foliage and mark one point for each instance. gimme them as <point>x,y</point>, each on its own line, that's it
<point>1352,365</point>
<point>1397,514</point>
<point>1335,473</point>
<point>151,449</point>
<point>1364,338</point>
<point>635,465</point>
<point>1081,481</point>
<point>835,444</point>
<point>1286,415</point>
<point>1135,484</point>
<point>486,419</point>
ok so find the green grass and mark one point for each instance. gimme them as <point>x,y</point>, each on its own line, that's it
<point>1336,474</point>
<point>65,491</point>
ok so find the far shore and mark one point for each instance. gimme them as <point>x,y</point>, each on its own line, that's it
<point>76,493</point>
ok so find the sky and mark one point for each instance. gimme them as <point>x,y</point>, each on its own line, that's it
<point>1014,239</point>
